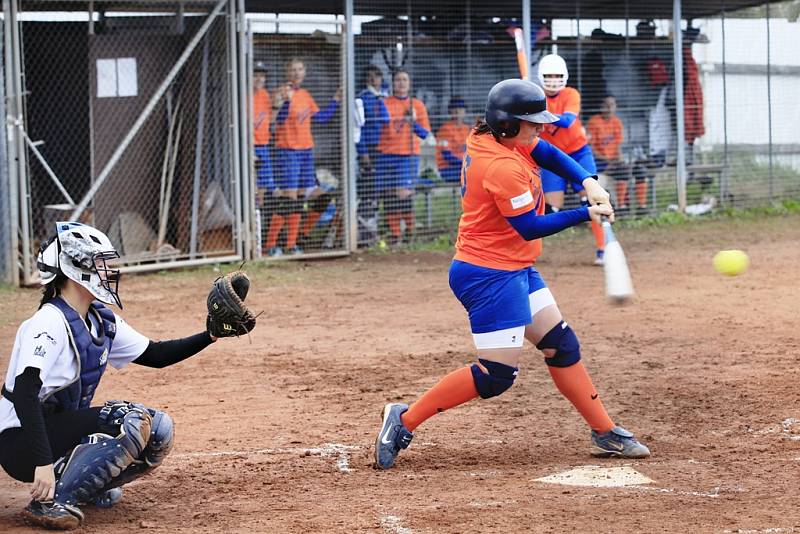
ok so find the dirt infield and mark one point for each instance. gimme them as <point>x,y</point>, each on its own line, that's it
<point>275,435</point>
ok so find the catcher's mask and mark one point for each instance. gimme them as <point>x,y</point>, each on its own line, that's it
<point>82,254</point>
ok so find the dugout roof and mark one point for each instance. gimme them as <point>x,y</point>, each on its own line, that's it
<point>588,9</point>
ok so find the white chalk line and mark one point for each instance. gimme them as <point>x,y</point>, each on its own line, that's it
<point>789,428</point>
<point>393,523</point>
<point>775,530</point>
<point>713,494</point>
<point>342,453</point>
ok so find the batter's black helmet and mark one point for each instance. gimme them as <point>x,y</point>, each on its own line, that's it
<point>511,101</point>
<point>260,66</point>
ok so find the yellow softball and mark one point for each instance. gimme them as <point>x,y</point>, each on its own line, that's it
<point>731,262</point>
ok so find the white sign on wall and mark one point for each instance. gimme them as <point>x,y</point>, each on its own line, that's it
<point>117,77</point>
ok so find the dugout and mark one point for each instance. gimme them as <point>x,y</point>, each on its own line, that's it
<point>179,147</point>
<point>627,49</point>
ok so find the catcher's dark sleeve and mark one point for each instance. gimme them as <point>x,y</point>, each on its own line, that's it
<point>29,412</point>
<point>163,353</point>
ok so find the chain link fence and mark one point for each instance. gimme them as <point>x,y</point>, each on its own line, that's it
<point>137,118</point>
<point>738,74</point>
<point>127,116</point>
<point>298,137</point>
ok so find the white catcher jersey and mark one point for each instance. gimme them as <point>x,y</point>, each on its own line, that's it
<point>42,342</point>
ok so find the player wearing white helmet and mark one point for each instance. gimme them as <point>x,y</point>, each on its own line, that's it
<point>74,454</point>
<point>567,134</point>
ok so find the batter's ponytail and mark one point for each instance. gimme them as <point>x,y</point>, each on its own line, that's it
<point>481,127</point>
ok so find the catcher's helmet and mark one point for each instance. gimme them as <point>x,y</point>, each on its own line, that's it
<point>511,101</point>
<point>81,253</point>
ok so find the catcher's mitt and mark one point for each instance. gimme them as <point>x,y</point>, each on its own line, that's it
<point>227,313</point>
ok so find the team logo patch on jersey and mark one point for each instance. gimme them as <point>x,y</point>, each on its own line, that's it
<point>39,351</point>
<point>522,200</point>
<point>46,335</point>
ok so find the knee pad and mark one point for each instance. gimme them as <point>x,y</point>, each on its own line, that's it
<point>565,342</point>
<point>500,378</point>
<point>161,438</point>
<point>321,202</point>
<point>390,202</point>
<point>406,205</point>
<point>284,206</point>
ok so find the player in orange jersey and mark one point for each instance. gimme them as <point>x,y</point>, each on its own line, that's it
<point>397,167</point>
<point>606,134</point>
<point>492,274</point>
<point>568,135</point>
<point>295,154</point>
<point>262,120</point>
<point>451,141</point>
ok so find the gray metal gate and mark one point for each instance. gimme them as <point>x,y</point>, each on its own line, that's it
<point>300,140</point>
<point>127,117</point>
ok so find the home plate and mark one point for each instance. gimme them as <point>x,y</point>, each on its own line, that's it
<point>597,476</point>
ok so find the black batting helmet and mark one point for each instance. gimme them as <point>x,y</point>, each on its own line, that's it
<point>511,101</point>
<point>260,66</point>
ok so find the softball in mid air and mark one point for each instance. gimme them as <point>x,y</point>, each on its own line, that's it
<point>731,262</point>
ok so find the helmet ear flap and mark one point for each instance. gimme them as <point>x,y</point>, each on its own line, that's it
<point>508,128</point>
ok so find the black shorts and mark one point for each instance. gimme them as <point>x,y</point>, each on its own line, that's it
<point>65,430</point>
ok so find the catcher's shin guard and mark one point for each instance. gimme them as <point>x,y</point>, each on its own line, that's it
<point>158,447</point>
<point>91,467</point>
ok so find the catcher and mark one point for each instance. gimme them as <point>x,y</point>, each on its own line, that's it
<point>74,454</point>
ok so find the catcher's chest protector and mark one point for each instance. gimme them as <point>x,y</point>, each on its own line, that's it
<point>92,353</point>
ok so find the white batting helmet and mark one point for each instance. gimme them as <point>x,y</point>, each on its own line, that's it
<point>80,252</point>
<point>553,64</point>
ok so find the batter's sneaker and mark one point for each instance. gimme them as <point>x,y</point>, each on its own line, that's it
<point>392,437</point>
<point>598,257</point>
<point>617,442</point>
<point>52,515</point>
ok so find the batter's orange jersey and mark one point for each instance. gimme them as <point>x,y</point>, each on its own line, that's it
<point>397,137</point>
<point>262,113</point>
<point>605,136</point>
<point>497,182</point>
<point>451,136</point>
<point>295,131</point>
<point>567,139</point>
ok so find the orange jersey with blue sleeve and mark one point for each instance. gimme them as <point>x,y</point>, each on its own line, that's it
<point>451,136</point>
<point>262,115</point>
<point>397,136</point>
<point>605,136</point>
<point>567,139</point>
<point>497,182</point>
<point>295,131</point>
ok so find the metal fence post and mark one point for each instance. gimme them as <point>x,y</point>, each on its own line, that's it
<point>351,166</point>
<point>677,51</point>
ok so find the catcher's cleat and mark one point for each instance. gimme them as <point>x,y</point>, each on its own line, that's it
<point>392,437</point>
<point>617,442</point>
<point>52,515</point>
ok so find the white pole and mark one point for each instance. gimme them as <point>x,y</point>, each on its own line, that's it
<point>526,31</point>
<point>677,50</point>
<point>350,95</point>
